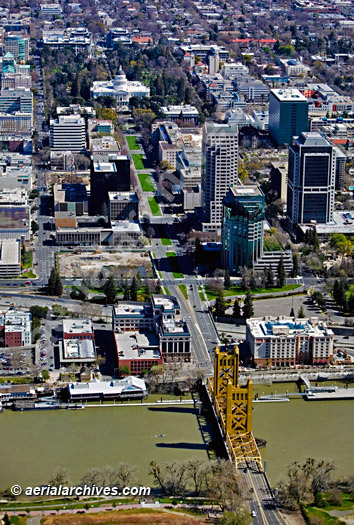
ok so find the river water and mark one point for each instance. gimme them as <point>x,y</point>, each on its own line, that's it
<point>33,444</point>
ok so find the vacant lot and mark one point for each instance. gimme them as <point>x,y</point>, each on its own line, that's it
<point>125,516</point>
<point>90,264</point>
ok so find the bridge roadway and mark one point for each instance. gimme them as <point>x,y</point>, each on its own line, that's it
<point>266,512</point>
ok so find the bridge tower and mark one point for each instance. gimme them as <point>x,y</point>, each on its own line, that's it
<point>233,404</point>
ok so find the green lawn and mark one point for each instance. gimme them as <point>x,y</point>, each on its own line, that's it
<point>132,142</point>
<point>326,518</point>
<point>26,260</point>
<point>174,265</point>
<point>237,290</point>
<point>201,294</point>
<point>183,289</point>
<point>145,181</point>
<point>166,242</point>
<point>138,160</point>
<point>30,275</point>
<point>154,207</point>
<point>167,291</point>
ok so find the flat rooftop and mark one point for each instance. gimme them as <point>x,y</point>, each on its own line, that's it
<point>287,326</point>
<point>137,345</point>
<point>246,191</point>
<point>289,95</point>
<point>343,222</point>
<point>130,310</point>
<point>77,326</point>
<point>10,252</point>
<point>104,167</point>
<point>76,350</point>
<point>126,227</point>
<point>122,196</point>
<point>14,217</point>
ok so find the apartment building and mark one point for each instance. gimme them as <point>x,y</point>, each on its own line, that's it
<point>286,341</point>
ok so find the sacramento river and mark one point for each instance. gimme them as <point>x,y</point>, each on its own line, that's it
<point>33,444</point>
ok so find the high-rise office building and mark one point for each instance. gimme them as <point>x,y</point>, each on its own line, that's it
<point>20,99</point>
<point>18,45</point>
<point>288,114</point>
<point>106,177</point>
<point>68,133</point>
<point>242,232</point>
<point>213,62</point>
<point>220,170</point>
<point>311,179</point>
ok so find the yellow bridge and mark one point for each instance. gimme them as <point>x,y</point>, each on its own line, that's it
<point>233,406</point>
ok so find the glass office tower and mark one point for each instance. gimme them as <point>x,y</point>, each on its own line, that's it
<point>242,232</point>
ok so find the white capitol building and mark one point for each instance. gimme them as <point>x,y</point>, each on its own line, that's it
<point>120,88</point>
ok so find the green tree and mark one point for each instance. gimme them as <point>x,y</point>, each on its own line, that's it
<point>339,293</point>
<point>134,290</point>
<point>6,520</point>
<point>227,280</point>
<point>34,226</point>
<point>124,371</point>
<point>52,281</point>
<point>281,273</point>
<point>296,266</point>
<point>45,375</point>
<point>58,287</point>
<point>220,305</point>
<point>301,313</point>
<point>236,312</point>
<point>241,517</point>
<point>110,290</point>
<point>269,278</point>
<point>158,287</point>
<point>39,311</point>
<point>350,305</point>
<point>248,310</point>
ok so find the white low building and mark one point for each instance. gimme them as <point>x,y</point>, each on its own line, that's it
<point>121,89</point>
<point>77,351</point>
<point>128,388</point>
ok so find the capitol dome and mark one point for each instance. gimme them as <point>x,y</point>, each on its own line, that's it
<point>120,80</point>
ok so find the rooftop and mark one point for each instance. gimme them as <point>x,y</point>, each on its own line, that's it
<point>288,95</point>
<point>137,345</point>
<point>77,350</point>
<point>312,138</point>
<point>117,387</point>
<point>10,252</point>
<point>77,326</point>
<point>122,196</point>
<point>287,326</point>
<point>246,191</point>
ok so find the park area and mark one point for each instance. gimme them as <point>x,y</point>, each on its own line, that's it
<point>174,265</point>
<point>154,207</point>
<point>212,293</point>
<point>132,143</point>
<point>146,182</point>
<point>138,160</point>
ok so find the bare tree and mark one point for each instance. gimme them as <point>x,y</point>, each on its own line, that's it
<point>60,476</point>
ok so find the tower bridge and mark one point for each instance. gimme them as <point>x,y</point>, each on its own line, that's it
<point>233,407</point>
